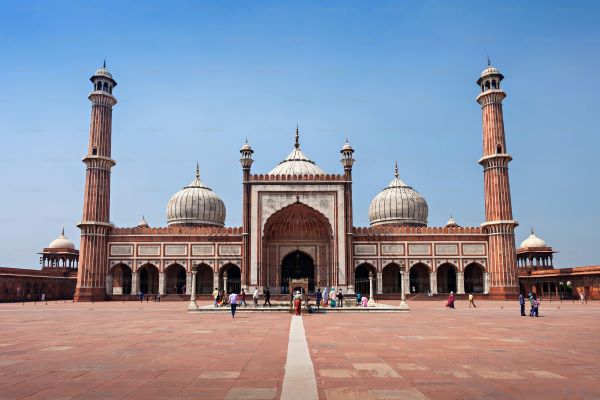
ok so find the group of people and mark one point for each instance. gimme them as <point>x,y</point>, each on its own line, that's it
<point>329,298</point>
<point>534,302</point>
<point>452,299</point>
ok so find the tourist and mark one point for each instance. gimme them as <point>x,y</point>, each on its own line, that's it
<point>325,297</point>
<point>267,297</point>
<point>332,298</point>
<point>255,297</point>
<point>358,298</point>
<point>216,297</point>
<point>243,298</point>
<point>536,307</point>
<point>233,301</point>
<point>340,297</point>
<point>472,300</point>
<point>522,304</point>
<point>141,295</point>
<point>318,298</point>
<point>157,298</point>
<point>582,295</point>
<point>451,299</point>
<point>298,302</point>
<point>365,301</point>
<point>183,289</point>
<point>175,289</point>
<point>531,297</point>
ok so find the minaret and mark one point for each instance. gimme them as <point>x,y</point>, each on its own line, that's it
<point>95,223</point>
<point>246,162</point>
<point>347,162</point>
<point>499,222</point>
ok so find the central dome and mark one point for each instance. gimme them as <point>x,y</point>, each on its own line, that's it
<point>196,205</point>
<point>296,163</point>
<point>398,204</point>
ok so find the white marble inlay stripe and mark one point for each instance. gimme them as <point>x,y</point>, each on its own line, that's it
<point>299,382</point>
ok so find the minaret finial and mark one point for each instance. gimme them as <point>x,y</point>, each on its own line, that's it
<point>297,144</point>
<point>104,64</point>
<point>62,233</point>
<point>489,61</point>
<point>197,170</point>
<point>396,169</point>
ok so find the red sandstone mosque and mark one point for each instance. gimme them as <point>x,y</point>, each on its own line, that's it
<point>298,224</point>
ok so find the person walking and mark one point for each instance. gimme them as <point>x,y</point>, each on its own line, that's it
<point>267,297</point>
<point>535,307</point>
<point>340,297</point>
<point>157,298</point>
<point>582,295</point>
<point>358,299</point>
<point>255,297</point>
<point>233,301</point>
<point>141,294</point>
<point>472,300</point>
<point>451,299</point>
<point>531,297</point>
<point>522,304</point>
<point>243,298</point>
<point>318,297</point>
<point>216,297</point>
<point>298,302</point>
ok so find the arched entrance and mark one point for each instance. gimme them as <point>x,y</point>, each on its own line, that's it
<point>121,279</point>
<point>175,275</point>
<point>474,278</point>
<point>234,278</point>
<point>419,278</point>
<point>297,234</point>
<point>446,278</point>
<point>391,281</point>
<point>361,279</point>
<point>204,279</point>
<point>148,279</point>
<point>297,265</point>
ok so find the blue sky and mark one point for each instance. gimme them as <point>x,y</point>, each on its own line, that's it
<point>397,78</point>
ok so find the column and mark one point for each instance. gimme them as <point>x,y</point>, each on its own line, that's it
<point>188,282</point>
<point>460,282</point>
<point>225,282</point>
<point>371,302</point>
<point>403,304</point>
<point>486,283</point>
<point>109,284</point>
<point>216,280</point>
<point>193,305</point>
<point>162,284</point>
<point>379,282</point>
<point>433,283</point>
<point>406,281</point>
<point>135,283</point>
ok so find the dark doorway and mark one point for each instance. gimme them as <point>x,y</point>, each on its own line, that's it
<point>474,279</point>
<point>149,279</point>
<point>361,279</point>
<point>446,279</point>
<point>419,278</point>
<point>176,278</point>
<point>298,265</point>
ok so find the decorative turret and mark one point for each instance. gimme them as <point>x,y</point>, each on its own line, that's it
<point>246,159</point>
<point>347,160</point>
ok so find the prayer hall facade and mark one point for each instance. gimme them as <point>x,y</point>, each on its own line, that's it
<point>297,224</point>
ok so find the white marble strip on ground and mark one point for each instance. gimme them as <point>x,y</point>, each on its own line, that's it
<point>299,382</point>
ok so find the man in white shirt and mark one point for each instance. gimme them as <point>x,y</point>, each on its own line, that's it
<point>233,301</point>
<point>255,297</point>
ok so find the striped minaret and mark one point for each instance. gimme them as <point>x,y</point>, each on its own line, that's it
<point>499,222</point>
<point>95,224</point>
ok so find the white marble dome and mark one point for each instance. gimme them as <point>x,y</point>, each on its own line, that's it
<point>398,204</point>
<point>196,205</point>
<point>61,242</point>
<point>533,241</point>
<point>143,223</point>
<point>490,70</point>
<point>103,72</point>
<point>296,163</point>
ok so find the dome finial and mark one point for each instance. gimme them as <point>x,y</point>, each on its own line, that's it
<point>396,170</point>
<point>62,233</point>
<point>532,231</point>
<point>197,170</point>
<point>104,64</point>
<point>297,144</point>
<point>489,61</point>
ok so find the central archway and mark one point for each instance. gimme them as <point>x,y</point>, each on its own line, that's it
<point>297,243</point>
<point>297,265</point>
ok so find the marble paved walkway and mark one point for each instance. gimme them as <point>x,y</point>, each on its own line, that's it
<point>159,351</point>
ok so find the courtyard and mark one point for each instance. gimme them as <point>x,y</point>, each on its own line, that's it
<point>128,350</point>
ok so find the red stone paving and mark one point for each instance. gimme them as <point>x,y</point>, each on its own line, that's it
<point>160,351</point>
<point>436,353</point>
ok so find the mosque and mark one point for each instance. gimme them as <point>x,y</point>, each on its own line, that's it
<point>297,224</point>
